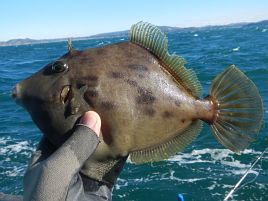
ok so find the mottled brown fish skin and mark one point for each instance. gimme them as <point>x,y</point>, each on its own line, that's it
<point>139,102</point>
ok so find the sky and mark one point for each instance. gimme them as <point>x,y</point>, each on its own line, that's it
<point>45,19</point>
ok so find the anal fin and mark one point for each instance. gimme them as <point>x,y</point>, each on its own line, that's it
<point>168,148</point>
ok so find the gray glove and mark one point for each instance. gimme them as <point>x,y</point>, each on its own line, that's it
<point>53,175</point>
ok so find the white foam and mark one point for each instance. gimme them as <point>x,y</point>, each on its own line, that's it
<point>227,186</point>
<point>100,43</point>
<point>16,171</point>
<point>236,49</point>
<point>122,196</point>
<point>214,185</point>
<point>190,180</point>
<point>7,159</point>
<point>4,140</point>
<point>262,186</point>
<point>16,148</point>
<point>216,156</point>
<point>189,158</point>
<point>121,183</point>
<point>243,171</point>
<point>216,194</point>
<point>263,30</point>
<point>22,148</point>
<point>251,151</point>
<point>235,164</point>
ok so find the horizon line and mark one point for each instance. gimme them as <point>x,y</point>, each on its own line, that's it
<point>179,27</point>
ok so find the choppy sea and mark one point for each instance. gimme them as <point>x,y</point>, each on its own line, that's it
<point>204,170</point>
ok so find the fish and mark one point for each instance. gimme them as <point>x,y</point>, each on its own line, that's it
<point>151,105</point>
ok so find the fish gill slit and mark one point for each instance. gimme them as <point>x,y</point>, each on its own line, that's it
<point>66,94</point>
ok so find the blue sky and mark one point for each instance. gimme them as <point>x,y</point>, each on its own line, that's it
<point>41,19</point>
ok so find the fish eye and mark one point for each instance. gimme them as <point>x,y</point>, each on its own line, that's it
<point>59,67</point>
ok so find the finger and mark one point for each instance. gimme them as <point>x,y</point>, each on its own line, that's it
<point>92,120</point>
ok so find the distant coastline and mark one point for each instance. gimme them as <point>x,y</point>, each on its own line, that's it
<point>28,41</point>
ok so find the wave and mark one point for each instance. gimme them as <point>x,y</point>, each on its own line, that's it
<point>219,157</point>
<point>30,61</point>
<point>19,147</point>
<point>260,71</point>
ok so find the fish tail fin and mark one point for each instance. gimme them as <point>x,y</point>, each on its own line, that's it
<point>239,109</point>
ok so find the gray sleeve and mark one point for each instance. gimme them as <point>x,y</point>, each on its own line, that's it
<point>50,179</point>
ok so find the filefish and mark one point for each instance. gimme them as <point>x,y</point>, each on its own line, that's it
<point>150,104</point>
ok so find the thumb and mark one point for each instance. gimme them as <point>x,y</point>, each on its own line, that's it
<point>92,120</point>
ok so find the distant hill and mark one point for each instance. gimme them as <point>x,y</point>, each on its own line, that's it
<point>26,41</point>
<point>20,41</point>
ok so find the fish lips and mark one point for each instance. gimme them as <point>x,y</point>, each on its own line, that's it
<point>66,94</point>
<point>16,94</point>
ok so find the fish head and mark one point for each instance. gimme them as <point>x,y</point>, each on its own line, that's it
<point>53,97</point>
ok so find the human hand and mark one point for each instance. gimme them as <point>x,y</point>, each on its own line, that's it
<point>51,172</point>
<point>92,120</point>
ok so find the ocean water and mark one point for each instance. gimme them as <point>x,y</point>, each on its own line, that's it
<point>204,170</point>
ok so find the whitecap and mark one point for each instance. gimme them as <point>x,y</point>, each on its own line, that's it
<point>15,148</point>
<point>216,194</point>
<point>120,183</point>
<point>236,49</point>
<point>227,186</point>
<point>16,171</point>
<point>100,43</point>
<point>263,30</point>
<point>122,196</point>
<point>3,140</point>
<point>190,180</point>
<point>212,156</point>
<point>262,186</point>
<point>19,147</point>
<point>243,171</point>
<point>214,185</point>
<point>235,164</point>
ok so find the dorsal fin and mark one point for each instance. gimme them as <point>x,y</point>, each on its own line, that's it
<point>153,39</point>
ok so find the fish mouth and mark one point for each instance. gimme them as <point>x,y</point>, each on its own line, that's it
<point>66,94</point>
<point>16,94</point>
